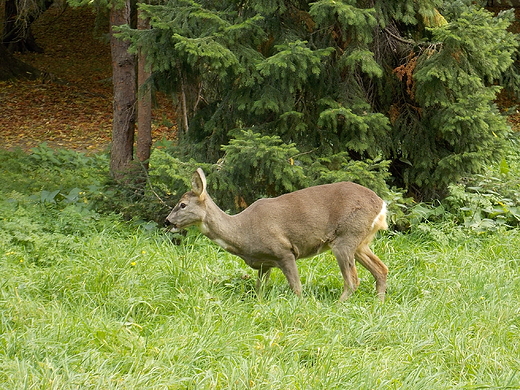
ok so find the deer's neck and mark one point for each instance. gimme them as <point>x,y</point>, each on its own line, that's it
<point>221,228</point>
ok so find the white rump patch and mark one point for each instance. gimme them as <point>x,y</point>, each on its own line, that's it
<point>379,222</point>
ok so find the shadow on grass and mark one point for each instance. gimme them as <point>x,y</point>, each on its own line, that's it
<point>242,287</point>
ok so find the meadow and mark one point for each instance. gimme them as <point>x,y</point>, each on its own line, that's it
<point>89,300</point>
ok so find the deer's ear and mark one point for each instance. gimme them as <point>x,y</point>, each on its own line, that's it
<point>198,183</point>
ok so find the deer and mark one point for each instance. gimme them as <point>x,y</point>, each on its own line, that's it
<point>275,232</point>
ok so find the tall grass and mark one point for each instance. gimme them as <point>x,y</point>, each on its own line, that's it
<point>89,301</point>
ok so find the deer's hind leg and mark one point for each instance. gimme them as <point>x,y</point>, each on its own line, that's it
<point>377,268</point>
<point>344,253</point>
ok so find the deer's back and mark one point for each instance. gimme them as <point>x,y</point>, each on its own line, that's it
<point>309,219</point>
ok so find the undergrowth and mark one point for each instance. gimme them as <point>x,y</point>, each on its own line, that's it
<point>484,202</point>
<point>91,300</point>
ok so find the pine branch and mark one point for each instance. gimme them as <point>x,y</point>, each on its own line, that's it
<point>410,41</point>
<point>149,182</point>
<point>400,39</point>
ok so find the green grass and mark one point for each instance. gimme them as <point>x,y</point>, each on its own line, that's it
<point>89,301</point>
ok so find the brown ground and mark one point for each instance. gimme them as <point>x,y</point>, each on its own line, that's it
<point>72,109</point>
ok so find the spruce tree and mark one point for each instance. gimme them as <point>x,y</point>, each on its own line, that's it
<point>408,82</point>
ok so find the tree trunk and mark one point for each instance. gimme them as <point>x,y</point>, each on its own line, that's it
<point>124,80</point>
<point>17,19</point>
<point>144,106</point>
<point>12,68</point>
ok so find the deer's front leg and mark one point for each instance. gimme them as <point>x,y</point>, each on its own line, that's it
<point>289,269</point>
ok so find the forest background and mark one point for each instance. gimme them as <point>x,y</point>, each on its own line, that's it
<point>333,93</point>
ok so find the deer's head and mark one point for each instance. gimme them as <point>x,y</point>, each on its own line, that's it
<point>191,208</point>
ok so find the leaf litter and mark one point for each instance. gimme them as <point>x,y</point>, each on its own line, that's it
<point>72,107</point>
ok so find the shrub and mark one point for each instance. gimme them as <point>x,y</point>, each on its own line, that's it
<point>256,166</point>
<point>483,202</point>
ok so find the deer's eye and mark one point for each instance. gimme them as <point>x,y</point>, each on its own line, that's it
<point>183,205</point>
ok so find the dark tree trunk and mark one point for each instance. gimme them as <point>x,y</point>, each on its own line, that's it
<point>13,68</point>
<point>124,80</point>
<point>144,107</point>
<point>17,36</point>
